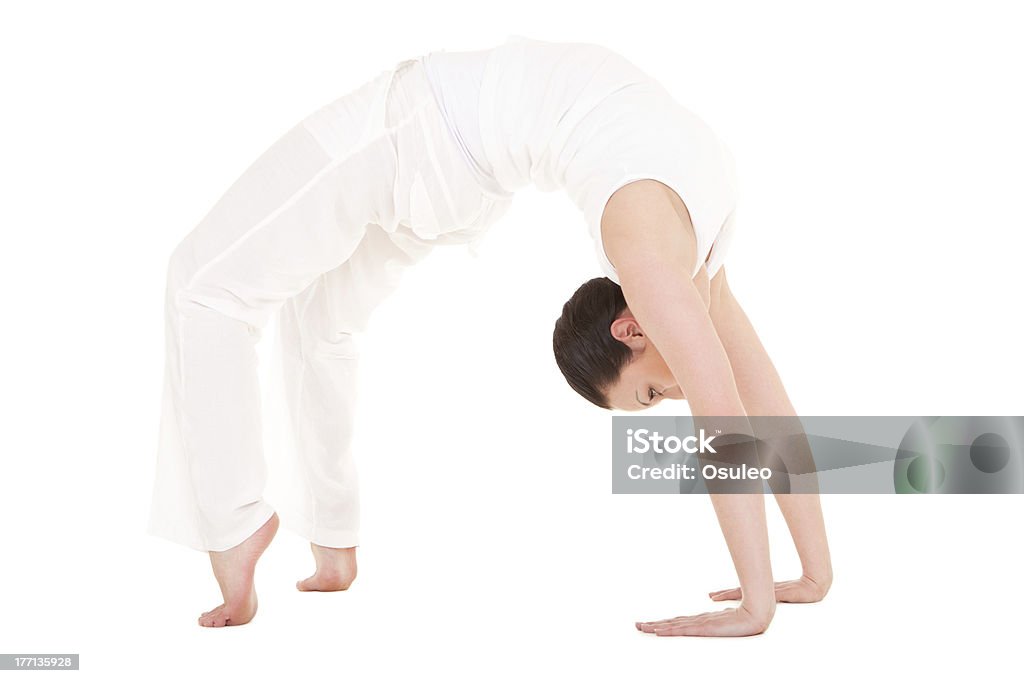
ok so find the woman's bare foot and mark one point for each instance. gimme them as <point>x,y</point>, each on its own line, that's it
<point>235,569</point>
<point>335,569</point>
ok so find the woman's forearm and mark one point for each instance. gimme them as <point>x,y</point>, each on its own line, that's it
<point>806,523</point>
<point>741,517</point>
<point>778,430</point>
<point>784,448</point>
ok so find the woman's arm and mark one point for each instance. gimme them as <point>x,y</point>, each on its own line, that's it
<point>653,250</point>
<point>763,394</point>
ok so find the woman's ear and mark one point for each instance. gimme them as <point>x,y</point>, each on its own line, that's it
<point>627,330</point>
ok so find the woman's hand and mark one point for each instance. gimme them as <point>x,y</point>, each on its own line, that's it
<point>730,622</point>
<point>804,589</point>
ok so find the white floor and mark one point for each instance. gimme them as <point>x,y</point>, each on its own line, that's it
<point>924,586</point>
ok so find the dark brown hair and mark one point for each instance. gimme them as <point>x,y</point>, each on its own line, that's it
<point>590,358</point>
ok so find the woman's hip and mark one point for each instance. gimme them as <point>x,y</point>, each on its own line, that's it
<point>392,137</point>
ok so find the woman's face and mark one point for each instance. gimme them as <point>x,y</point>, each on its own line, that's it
<point>646,380</point>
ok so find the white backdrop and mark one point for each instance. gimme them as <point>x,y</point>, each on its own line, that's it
<point>879,150</point>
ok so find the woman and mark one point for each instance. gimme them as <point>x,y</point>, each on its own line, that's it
<point>320,228</point>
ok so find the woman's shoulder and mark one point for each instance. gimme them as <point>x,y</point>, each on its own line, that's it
<point>638,211</point>
<point>641,198</point>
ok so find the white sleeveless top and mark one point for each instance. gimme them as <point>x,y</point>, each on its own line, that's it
<point>580,117</point>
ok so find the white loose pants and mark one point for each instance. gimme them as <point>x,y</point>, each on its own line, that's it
<point>317,231</point>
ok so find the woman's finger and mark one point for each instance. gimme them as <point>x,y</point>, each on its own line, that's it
<point>728,594</point>
<point>678,622</point>
<point>703,624</point>
<point>650,626</point>
<point>641,624</point>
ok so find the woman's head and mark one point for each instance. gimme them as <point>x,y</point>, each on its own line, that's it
<point>604,354</point>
